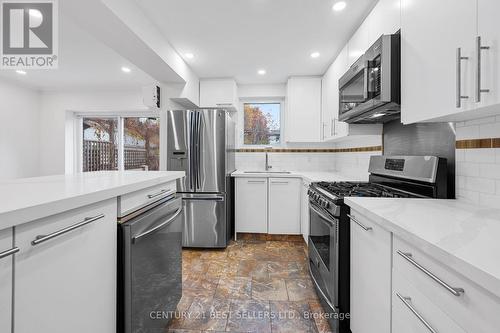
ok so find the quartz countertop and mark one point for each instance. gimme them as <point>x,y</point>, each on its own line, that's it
<point>308,176</point>
<point>463,236</point>
<point>28,199</point>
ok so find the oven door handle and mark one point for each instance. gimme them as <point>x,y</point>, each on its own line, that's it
<point>323,216</point>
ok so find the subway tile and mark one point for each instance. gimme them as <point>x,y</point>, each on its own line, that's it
<point>482,185</point>
<point>467,132</point>
<point>497,153</point>
<point>460,155</point>
<point>498,187</point>
<point>489,200</point>
<point>467,169</point>
<point>480,121</point>
<point>469,196</point>
<point>489,130</point>
<point>491,171</point>
<point>460,182</point>
<point>480,155</point>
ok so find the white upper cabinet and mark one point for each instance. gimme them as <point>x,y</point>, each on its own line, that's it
<point>384,19</point>
<point>303,115</point>
<point>221,93</point>
<point>434,81</point>
<point>6,255</point>
<point>489,70</point>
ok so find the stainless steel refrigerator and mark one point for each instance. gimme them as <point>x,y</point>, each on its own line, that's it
<point>201,143</point>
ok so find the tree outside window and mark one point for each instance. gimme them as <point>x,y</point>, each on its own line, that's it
<point>262,123</point>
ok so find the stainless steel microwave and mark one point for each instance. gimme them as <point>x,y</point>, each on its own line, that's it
<point>370,91</point>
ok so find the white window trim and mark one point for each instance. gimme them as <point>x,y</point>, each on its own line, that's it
<point>118,115</point>
<point>241,119</point>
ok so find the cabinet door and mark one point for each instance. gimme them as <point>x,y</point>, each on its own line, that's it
<point>218,93</point>
<point>68,283</point>
<point>431,33</point>
<point>490,58</point>
<point>251,205</point>
<point>384,19</point>
<point>303,119</point>
<point>6,257</point>
<point>304,228</point>
<point>370,277</point>
<point>405,320</point>
<point>284,206</point>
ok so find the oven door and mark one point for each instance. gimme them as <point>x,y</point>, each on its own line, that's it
<point>323,254</point>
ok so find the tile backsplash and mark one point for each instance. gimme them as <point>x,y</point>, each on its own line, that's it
<point>478,170</point>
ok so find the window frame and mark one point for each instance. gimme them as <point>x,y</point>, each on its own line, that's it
<point>241,121</point>
<point>119,116</point>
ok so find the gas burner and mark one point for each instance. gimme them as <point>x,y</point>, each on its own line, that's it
<point>357,189</point>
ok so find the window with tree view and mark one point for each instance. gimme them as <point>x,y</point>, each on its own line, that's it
<point>104,149</point>
<point>262,123</point>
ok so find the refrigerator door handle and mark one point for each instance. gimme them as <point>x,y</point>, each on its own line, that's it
<point>198,151</point>
<point>191,150</point>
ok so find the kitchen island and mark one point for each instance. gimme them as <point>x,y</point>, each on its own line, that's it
<point>58,247</point>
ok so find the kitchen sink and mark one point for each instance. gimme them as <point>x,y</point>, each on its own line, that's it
<point>274,172</point>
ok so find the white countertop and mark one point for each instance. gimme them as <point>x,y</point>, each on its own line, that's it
<point>308,176</point>
<point>27,199</point>
<point>463,236</point>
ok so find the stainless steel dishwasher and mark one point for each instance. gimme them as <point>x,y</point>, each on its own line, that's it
<point>149,266</point>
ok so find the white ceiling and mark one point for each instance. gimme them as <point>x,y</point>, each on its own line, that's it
<point>84,63</point>
<point>235,38</point>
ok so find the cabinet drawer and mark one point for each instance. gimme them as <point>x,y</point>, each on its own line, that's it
<point>412,312</point>
<point>68,275</point>
<point>475,302</point>
<point>130,202</point>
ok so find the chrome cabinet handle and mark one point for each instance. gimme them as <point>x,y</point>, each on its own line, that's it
<point>280,182</point>
<point>164,224</point>
<point>406,301</point>
<point>459,77</point>
<point>9,252</point>
<point>359,223</point>
<point>256,181</point>
<point>43,238</point>
<point>455,291</point>
<point>223,104</point>
<point>151,196</point>
<point>479,48</point>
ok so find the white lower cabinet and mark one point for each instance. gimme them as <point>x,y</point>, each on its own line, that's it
<point>67,283</point>
<point>412,312</point>
<point>251,205</point>
<point>284,206</point>
<point>6,257</point>
<point>370,276</point>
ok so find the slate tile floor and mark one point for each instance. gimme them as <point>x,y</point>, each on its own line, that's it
<point>251,286</point>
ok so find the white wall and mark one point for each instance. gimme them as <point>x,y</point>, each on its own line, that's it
<point>19,134</point>
<point>56,122</point>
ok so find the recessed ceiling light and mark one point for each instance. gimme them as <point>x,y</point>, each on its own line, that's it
<point>189,55</point>
<point>315,55</point>
<point>126,69</point>
<point>261,72</point>
<point>21,72</point>
<point>338,6</point>
<point>378,115</point>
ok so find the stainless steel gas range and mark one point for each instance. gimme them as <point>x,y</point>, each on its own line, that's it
<point>329,239</point>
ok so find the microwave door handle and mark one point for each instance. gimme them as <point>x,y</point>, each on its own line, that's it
<point>365,74</point>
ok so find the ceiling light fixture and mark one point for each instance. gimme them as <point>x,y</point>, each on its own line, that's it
<point>315,55</point>
<point>189,55</point>
<point>378,115</point>
<point>21,72</point>
<point>339,6</point>
<point>261,72</point>
<point>126,69</point>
